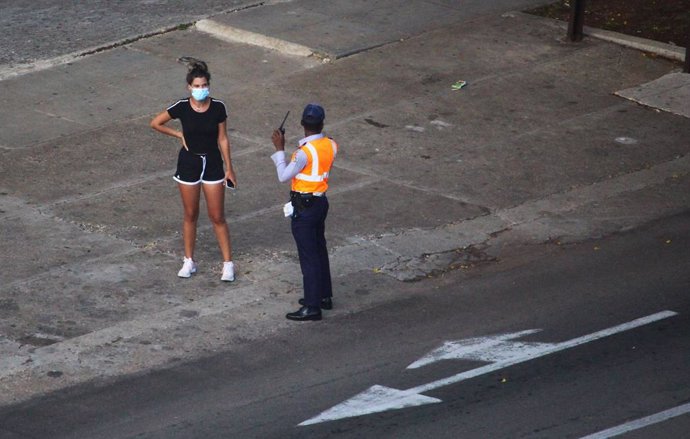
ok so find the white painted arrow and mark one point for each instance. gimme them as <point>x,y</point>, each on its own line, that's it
<point>491,349</point>
<point>497,349</point>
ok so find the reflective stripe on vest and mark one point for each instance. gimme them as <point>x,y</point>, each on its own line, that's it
<point>315,179</point>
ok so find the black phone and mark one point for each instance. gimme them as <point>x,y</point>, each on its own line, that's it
<point>229,184</point>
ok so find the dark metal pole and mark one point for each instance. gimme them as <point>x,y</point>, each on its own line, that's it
<point>686,69</point>
<point>577,20</point>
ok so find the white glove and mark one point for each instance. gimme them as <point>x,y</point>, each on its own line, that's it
<point>288,209</point>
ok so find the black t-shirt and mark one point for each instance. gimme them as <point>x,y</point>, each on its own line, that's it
<point>200,129</point>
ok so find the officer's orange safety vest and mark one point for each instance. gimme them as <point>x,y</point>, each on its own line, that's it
<point>314,177</point>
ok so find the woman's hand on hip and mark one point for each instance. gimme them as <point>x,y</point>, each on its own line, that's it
<point>184,142</point>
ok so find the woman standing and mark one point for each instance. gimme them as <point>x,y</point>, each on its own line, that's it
<point>205,148</point>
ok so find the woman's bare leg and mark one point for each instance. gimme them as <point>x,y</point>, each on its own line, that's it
<point>215,202</point>
<point>190,203</point>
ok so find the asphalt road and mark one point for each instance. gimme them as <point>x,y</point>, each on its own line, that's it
<point>265,389</point>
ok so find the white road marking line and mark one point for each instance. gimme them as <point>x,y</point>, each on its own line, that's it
<point>546,349</point>
<point>491,349</point>
<point>496,348</point>
<point>641,423</point>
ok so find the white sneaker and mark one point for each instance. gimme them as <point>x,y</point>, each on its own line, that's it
<point>228,272</point>
<point>188,267</point>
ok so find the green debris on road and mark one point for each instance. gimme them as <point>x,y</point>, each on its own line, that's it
<point>458,85</point>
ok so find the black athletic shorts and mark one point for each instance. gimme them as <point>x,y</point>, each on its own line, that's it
<point>195,168</point>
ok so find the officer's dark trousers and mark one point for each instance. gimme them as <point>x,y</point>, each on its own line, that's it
<point>308,229</point>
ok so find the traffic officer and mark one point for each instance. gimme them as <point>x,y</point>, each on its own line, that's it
<point>308,171</point>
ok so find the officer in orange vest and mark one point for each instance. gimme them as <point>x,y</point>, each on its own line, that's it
<point>308,171</point>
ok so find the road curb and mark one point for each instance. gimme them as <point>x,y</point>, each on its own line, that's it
<point>665,50</point>
<point>235,35</point>
<point>669,51</point>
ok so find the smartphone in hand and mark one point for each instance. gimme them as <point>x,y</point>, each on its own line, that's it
<point>229,184</point>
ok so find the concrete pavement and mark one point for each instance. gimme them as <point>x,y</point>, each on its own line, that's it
<point>39,34</point>
<point>537,148</point>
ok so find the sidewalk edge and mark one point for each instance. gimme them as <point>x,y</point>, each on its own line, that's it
<point>670,51</point>
<point>236,35</point>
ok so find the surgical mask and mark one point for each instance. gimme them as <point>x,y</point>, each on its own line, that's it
<point>200,93</point>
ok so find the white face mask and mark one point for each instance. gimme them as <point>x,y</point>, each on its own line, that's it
<point>200,94</point>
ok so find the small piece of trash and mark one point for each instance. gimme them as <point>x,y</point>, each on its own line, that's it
<point>377,270</point>
<point>440,124</point>
<point>458,85</point>
<point>596,248</point>
<point>625,140</point>
<point>668,241</point>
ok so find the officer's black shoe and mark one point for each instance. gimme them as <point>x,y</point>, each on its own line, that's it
<point>305,313</point>
<point>326,303</point>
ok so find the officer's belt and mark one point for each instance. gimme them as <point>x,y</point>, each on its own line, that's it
<point>307,194</point>
<point>303,200</point>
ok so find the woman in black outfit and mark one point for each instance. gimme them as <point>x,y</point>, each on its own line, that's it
<point>205,148</point>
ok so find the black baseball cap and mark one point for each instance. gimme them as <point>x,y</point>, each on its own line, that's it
<point>313,114</point>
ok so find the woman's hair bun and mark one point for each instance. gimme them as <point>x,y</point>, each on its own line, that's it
<point>197,65</point>
<point>196,68</point>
